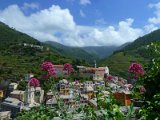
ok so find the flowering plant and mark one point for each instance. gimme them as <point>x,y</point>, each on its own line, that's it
<point>47,77</point>
<point>49,68</point>
<point>109,77</point>
<point>138,89</point>
<point>34,82</point>
<point>136,69</point>
<point>68,67</point>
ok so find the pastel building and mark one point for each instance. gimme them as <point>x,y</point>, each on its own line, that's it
<point>18,94</point>
<point>64,87</point>
<point>96,73</point>
<point>1,93</point>
<point>33,96</point>
<point>89,89</point>
<point>39,94</point>
<point>5,115</point>
<point>11,88</point>
<point>49,95</point>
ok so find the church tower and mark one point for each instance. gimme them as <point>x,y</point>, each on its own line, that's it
<point>30,95</point>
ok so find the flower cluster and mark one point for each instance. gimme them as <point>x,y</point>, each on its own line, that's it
<point>49,67</point>
<point>68,67</point>
<point>33,82</point>
<point>109,77</point>
<point>136,69</point>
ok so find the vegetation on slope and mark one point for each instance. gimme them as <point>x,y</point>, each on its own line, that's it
<point>73,52</point>
<point>134,52</point>
<point>99,50</point>
<point>21,54</point>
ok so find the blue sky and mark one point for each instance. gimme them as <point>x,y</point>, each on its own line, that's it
<point>82,22</point>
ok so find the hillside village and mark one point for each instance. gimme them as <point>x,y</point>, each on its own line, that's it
<point>79,60</point>
<point>14,100</point>
<point>80,86</point>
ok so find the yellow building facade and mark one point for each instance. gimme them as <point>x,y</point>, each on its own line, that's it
<point>1,93</point>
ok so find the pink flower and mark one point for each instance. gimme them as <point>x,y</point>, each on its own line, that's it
<point>109,77</point>
<point>51,72</point>
<point>68,67</point>
<point>136,69</point>
<point>46,66</point>
<point>34,82</point>
<point>49,67</point>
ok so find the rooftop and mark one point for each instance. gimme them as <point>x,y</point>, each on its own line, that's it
<point>4,114</point>
<point>12,102</point>
<point>18,92</point>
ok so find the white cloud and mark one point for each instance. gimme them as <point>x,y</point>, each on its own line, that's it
<point>153,22</point>
<point>156,18</point>
<point>149,28</point>
<point>114,35</point>
<point>57,24</point>
<point>85,2</point>
<point>82,14</point>
<point>30,6</point>
<point>41,25</point>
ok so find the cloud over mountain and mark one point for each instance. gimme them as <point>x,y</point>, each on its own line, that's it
<point>57,24</point>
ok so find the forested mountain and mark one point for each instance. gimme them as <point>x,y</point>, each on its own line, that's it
<point>73,52</point>
<point>21,54</point>
<point>137,51</point>
<point>103,51</point>
<point>145,40</point>
<point>100,51</point>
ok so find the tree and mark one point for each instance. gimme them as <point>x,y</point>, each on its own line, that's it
<point>151,82</point>
<point>22,85</point>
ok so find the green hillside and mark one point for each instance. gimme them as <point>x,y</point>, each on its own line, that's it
<point>103,51</point>
<point>145,40</point>
<point>137,51</point>
<point>21,54</point>
<point>100,51</point>
<point>73,52</point>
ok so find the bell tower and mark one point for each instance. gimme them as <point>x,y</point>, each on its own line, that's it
<point>30,95</point>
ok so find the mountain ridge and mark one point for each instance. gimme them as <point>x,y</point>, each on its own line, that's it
<point>23,52</point>
<point>136,51</point>
<point>73,52</point>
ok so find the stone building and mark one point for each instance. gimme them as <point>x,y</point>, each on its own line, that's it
<point>1,93</point>
<point>39,94</point>
<point>5,115</point>
<point>12,104</point>
<point>11,88</point>
<point>97,73</point>
<point>20,95</point>
<point>64,87</point>
<point>88,89</point>
<point>33,96</point>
